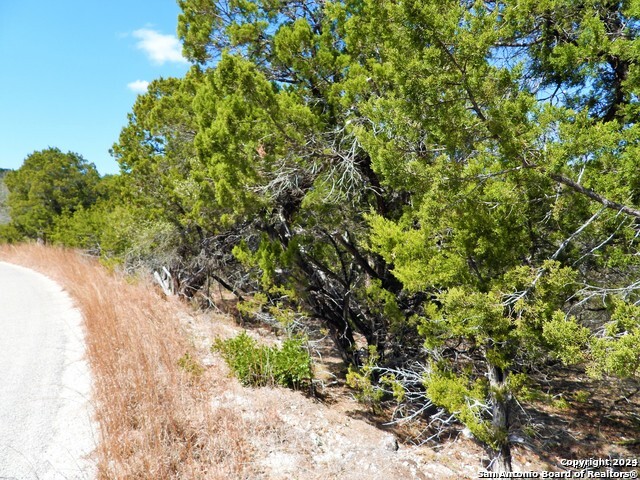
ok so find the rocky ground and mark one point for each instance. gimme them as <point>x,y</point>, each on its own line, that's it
<point>332,436</point>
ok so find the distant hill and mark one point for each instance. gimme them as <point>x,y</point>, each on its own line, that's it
<point>4,192</point>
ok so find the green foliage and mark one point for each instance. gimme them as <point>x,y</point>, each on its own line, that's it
<point>617,351</point>
<point>463,399</point>
<point>452,180</point>
<point>363,382</point>
<point>582,396</point>
<point>266,258</point>
<point>84,229</point>
<point>48,185</point>
<point>260,365</point>
<point>9,234</point>
<point>524,389</point>
<point>157,156</point>
<point>567,338</point>
<point>384,303</point>
<point>4,193</point>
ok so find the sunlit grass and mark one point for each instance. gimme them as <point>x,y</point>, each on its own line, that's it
<point>155,418</point>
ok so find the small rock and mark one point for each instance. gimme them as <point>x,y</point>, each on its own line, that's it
<point>466,433</point>
<point>390,443</point>
<point>208,361</point>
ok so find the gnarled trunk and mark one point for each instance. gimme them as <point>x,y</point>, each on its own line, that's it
<point>500,403</point>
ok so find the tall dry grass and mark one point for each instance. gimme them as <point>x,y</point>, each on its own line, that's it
<point>155,418</point>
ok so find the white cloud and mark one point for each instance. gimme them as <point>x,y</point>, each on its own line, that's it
<point>139,86</point>
<point>158,47</point>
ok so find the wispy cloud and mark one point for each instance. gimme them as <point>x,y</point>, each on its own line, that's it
<point>158,47</point>
<point>139,86</point>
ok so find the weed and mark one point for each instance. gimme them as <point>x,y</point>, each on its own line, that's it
<point>190,365</point>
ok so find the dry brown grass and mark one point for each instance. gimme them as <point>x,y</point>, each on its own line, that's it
<point>155,419</point>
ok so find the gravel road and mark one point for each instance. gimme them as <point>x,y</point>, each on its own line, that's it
<point>46,431</point>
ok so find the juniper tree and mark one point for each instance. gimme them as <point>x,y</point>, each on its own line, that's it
<point>275,149</point>
<point>459,174</point>
<point>48,185</point>
<point>511,126</point>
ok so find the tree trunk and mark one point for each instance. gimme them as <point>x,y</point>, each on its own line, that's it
<point>344,341</point>
<point>500,401</point>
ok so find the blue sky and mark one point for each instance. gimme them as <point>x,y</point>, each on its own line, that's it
<point>71,70</point>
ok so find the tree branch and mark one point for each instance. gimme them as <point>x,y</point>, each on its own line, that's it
<point>595,196</point>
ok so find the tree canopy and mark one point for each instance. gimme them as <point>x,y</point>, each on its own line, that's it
<point>468,167</point>
<point>455,181</point>
<point>48,184</point>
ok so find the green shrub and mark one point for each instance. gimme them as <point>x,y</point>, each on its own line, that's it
<point>362,381</point>
<point>260,365</point>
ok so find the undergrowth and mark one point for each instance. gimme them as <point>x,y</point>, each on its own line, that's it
<point>261,365</point>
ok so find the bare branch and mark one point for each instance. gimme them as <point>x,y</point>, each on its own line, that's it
<point>595,196</point>
<point>513,298</point>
